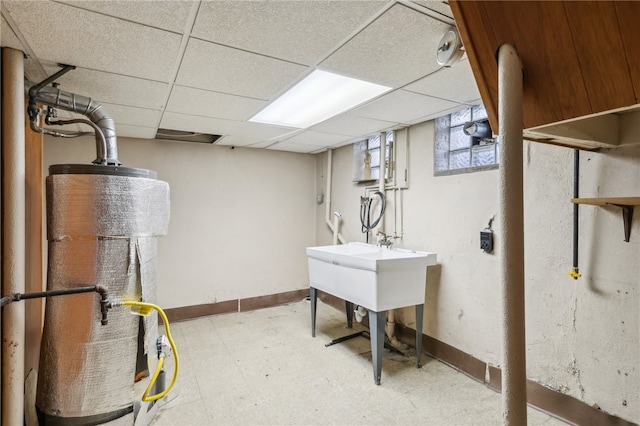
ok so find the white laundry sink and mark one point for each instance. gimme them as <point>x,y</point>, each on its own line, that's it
<point>376,278</point>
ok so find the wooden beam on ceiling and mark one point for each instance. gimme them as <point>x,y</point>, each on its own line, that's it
<point>579,57</point>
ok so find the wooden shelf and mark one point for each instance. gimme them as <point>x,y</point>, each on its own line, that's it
<point>614,201</point>
<point>625,203</point>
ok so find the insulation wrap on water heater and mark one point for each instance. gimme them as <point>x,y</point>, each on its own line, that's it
<point>102,224</point>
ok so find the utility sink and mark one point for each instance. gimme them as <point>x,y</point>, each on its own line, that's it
<point>376,278</point>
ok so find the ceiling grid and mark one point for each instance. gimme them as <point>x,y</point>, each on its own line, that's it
<point>209,66</point>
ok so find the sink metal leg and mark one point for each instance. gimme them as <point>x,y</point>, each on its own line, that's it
<point>376,325</point>
<point>349,307</point>
<point>313,296</point>
<point>419,316</point>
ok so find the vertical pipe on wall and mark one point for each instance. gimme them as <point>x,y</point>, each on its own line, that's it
<point>383,172</point>
<point>514,390</point>
<point>328,197</point>
<point>13,235</point>
<point>575,273</point>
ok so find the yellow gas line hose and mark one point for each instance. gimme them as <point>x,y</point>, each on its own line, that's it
<point>145,309</point>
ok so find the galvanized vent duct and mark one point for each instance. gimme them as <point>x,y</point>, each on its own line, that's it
<point>106,142</point>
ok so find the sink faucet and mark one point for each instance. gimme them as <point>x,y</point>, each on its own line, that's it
<point>384,240</point>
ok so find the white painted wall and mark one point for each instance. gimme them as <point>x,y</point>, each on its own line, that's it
<point>240,219</point>
<point>582,336</point>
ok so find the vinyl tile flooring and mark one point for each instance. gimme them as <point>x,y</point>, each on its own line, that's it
<point>264,368</point>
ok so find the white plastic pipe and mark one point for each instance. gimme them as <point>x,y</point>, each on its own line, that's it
<point>336,226</point>
<point>390,326</point>
<point>328,198</point>
<point>13,235</point>
<point>514,377</point>
<point>383,172</point>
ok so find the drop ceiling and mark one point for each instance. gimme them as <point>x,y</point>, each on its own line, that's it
<point>209,66</point>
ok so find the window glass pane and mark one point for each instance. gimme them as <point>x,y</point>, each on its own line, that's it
<point>442,133</point>
<point>375,173</point>
<point>374,142</point>
<point>460,117</point>
<point>458,139</point>
<point>443,123</point>
<point>459,159</point>
<point>441,161</point>
<point>390,137</point>
<point>359,158</point>
<point>483,155</point>
<point>375,157</point>
<point>442,141</point>
<point>479,113</point>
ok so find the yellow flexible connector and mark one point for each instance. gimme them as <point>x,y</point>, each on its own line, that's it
<point>575,274</point>
<point>145,309</point>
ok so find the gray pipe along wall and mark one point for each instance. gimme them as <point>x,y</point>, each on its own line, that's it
<point>102,225</point>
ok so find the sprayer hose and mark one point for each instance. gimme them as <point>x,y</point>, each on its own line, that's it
<point>365,213</point>
<point>145,395</point>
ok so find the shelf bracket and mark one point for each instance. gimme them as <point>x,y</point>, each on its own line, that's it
<point>627,215</point>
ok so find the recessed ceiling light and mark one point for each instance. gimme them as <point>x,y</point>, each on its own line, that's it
<point>319,96</point>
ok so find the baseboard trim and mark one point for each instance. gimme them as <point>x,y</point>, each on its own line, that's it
<point>552,402</point>
<point>235,305</point>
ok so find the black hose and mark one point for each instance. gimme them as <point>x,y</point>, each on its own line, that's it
<point>365,214</point>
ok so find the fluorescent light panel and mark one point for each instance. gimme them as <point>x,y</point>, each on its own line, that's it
<point>319,96</point>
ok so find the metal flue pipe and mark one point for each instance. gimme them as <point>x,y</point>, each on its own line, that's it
<point>514,386</point>
<point>96,113</point>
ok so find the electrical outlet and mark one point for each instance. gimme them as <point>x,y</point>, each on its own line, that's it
<point>486,240</point>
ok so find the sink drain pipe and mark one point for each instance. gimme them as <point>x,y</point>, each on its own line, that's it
<point>390,326</point>
<point>514,390</point>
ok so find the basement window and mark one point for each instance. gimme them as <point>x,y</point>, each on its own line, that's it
<point>458,152</point>
<point>366,158</point>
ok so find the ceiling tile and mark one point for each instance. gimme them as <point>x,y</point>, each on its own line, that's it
<point>439,6</point>
<point>132,115</point>
<point>346,124</point>
<point>8,37</point>
<point>297,31</point>
<point>193,123</point>
<point>402,107</point>
<point>396,49</point>
<point>262,132</point>
<point>246,130</point>
<point>187,100</point>
<point>112,88</point>
<point>115,45</point>
<point>436,114</point>
<point>166,15</point>
<point>309,137</point>
<point>127,131</point>
<point>348,142</point>
<point>226,70</point>
<point>455,83</point>
<point>234,140</point>
<point>294,147</point>
<point>261,144</point>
